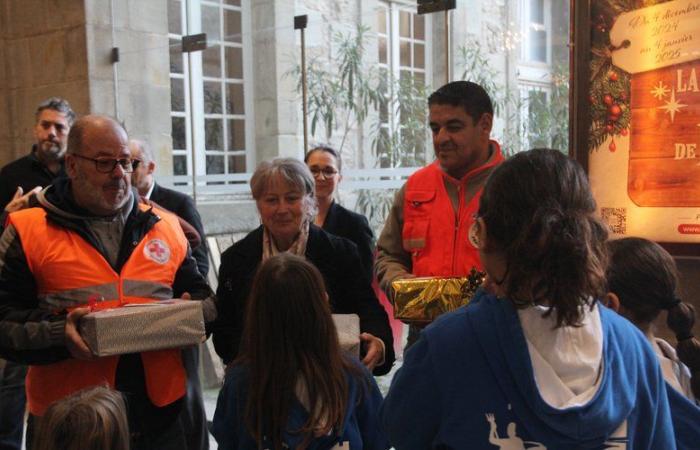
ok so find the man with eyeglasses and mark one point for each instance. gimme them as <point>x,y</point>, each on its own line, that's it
<point>90,238</point>
<point>19,181</point>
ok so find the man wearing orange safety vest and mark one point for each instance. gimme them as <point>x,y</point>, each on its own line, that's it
<point>427,230</point>
<point>89,238</point>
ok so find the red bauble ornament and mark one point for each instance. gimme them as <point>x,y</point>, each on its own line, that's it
<point>607,99</point>
<point>608,128</point>
<point>624,132</point>
<point>615,110</point>
<point>613,117</point>
<point>591,100</point>
<point>612,147</point>
<point>623,96</point>
<point>612,75</point>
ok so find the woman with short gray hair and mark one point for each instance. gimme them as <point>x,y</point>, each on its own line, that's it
<point>284,194</point>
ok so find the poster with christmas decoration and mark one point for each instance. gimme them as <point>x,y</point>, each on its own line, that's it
<point>644,160</point>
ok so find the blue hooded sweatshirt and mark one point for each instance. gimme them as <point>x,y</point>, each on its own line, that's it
<point>360,429</point>
<point>468,383</point>
<point>686,420</point>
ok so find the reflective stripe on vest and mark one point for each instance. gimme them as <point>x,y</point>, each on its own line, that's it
<point>434,234</point>
<point>69,271</point>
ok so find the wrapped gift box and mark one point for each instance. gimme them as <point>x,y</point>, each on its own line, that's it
<point>348,328</point>
<point>422,300</point>
<point>135,328</point>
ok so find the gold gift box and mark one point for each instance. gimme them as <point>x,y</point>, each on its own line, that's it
<point>422,300</point>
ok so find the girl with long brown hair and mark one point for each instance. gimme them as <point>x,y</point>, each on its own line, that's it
<point>291,386</point>
<point>643,283</point>
<point>537,363</point>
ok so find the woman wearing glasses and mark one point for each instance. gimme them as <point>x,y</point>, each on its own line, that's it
<point>325,164</point>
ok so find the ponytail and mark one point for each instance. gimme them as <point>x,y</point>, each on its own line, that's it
<point>681,318</point>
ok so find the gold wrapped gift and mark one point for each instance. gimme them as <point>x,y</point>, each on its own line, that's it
<point>422,300</point>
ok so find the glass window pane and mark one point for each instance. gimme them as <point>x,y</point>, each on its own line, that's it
<point>234,62</point>
<point>177,94</point>
<point>174,17</point>
<point>213,134</point>
<point>176,56</point>
<point>211,61</point>
<point>405,52</point>
<point>232,2</point>
<point>405,24</point>
<point>211,23</point>
<point>381,21</point>
<point>212,97</point>
<point>234,98</point>
<point>236,164</point>
<point>236,135</point>
<point>537,11</point>
<point>419,79</point>
<point>538,45</point>
<point>215,164</point>
<point>180,164</point>
<point>232,26</point>
<point>179,133</point>
<point>418,27</point>
<point>419,56</point>
<point>383,56</point>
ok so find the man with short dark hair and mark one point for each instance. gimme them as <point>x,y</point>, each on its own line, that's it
<point>39,168</point>
<point>19,180</point>
<point>90,238</point>
<point>427,231</point>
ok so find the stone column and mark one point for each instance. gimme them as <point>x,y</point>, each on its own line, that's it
<point>277,105</point>
<point>141,95</point>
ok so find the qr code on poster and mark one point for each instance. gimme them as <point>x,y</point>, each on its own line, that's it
<point>616,218</point>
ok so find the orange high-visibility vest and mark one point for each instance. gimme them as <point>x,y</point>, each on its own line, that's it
<point>68,271</point>
<point>434,234</point>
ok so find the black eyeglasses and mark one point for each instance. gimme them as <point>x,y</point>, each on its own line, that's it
<point>107,165</point>
<point>327,172</point>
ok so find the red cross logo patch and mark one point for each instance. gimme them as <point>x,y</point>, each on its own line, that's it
<point>157,250</point>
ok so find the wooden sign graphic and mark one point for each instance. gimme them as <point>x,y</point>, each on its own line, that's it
<point>664,167</point>
<point>660,46</point>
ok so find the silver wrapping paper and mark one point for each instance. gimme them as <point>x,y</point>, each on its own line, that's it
<point>348,328</point>
<point>143,327</point>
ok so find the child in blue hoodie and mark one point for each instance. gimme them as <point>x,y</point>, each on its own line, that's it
<point>291,387</point>
<point>642,278</point>
<point>537,364</point>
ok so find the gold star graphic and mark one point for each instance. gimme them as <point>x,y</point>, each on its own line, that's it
<point>660,91</point>
<point>672,106</point>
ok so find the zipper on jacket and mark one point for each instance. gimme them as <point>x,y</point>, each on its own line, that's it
<point>456,231</point>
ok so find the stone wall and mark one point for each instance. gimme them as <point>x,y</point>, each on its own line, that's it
<point>43,54</point>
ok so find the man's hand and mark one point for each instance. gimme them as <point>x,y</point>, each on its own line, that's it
<point>375,350</point>
<point>74,342</point>
<point>20,201</point>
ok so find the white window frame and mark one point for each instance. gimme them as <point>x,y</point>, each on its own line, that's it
<point>191,23</point>
<point>525,24</point>
<point>393,11</point>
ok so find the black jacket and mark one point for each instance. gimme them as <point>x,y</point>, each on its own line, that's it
<point>337,260</point>
<point>26,172</point>
<point>350,225</point>
<point>183,206</point>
